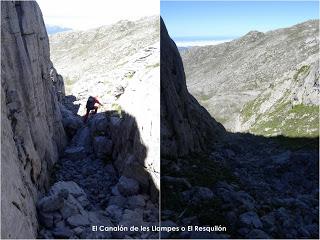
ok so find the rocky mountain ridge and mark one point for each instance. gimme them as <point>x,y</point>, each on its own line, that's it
<point>231,77</point>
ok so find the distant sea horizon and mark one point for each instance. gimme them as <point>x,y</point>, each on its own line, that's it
<point>192,41</point>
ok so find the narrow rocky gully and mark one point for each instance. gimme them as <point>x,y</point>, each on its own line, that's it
<point>87,190</point>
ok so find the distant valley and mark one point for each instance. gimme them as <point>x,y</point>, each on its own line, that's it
<point>263,83</point>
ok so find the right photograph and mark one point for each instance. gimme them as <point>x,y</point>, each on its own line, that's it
<point>239,119</point>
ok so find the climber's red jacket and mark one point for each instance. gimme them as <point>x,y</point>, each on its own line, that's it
<point>91,106</point>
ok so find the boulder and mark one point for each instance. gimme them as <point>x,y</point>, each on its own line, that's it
<point>115,212</point>
<point>115,191</point>
<point>52,203</point>
<point>83,200</point>
<point>245,199</point>
<point>82,138</point>
<point>269,220</point>
<point>136,201</point>
<point>250,219</point>
<point>69,209</point>
<point>57,217</point>
<point>102,147</point>
<point>128,186</point>
<point>69,186</point>
<point>70,121</point>
<point>117,200</point>
<point>197,194</point>
<point>98,124</point>
<point>78,230</point>
<point>132,218</point>
<point>115,121</point>
<point>62,232</point>
<point>78,220</point>
<point>98,218</point>
<point>75,153</point>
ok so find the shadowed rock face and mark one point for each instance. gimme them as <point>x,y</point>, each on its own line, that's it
<point>185,125</point>
<point>32,132</point>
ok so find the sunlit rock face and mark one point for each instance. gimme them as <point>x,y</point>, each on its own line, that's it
<point>31,128</point>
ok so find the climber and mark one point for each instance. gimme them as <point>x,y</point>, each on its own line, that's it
<point>91,105</point>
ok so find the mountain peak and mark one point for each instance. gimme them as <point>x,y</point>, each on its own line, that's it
<point>253,35</point>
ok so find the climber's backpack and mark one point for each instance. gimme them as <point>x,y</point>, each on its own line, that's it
<point>90,103</point>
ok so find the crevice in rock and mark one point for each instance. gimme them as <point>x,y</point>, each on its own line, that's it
<point>16,205</point>
<point>99,179</point>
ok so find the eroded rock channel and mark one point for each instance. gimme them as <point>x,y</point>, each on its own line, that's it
<point>87,189</point>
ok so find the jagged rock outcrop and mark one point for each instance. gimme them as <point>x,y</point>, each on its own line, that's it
<point>31,130</point>
<point>185,125</point>
<point>58,83</point>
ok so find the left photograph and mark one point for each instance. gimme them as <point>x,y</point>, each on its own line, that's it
<point>80,133</point>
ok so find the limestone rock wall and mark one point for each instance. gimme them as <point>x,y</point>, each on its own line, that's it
<point>185,125</point>
<point>137,139</point>
<point>31,130</point>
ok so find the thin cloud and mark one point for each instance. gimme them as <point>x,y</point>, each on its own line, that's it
<point>200,43</point>
<point>82,15</point>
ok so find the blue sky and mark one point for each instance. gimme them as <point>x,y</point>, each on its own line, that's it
<point>227,20</point>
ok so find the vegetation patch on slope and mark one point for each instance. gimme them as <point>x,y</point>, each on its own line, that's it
<point>302,71</point>
<point>287,120</point>
<point>252,107</point>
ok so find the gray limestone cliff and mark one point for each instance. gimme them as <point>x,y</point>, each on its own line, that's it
<point>32,134</point>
